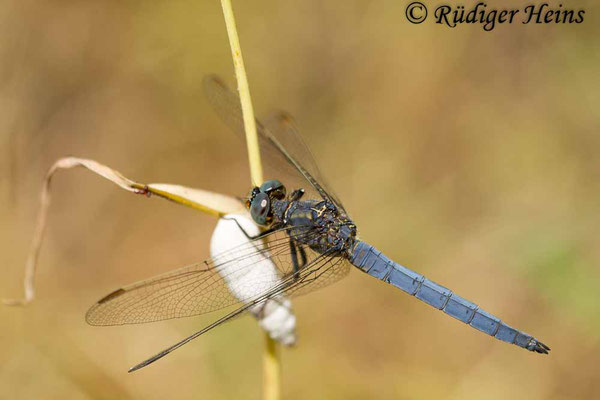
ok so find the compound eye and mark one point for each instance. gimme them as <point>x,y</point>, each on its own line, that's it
<point>260,208</point>
<point>274,188</point>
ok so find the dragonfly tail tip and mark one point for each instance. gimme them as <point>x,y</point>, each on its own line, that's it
<point>540,348</point>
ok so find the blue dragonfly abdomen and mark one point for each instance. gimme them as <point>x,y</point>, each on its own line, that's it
<point>373,262</point>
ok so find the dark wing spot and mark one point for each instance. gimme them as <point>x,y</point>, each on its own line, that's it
<point>111,296</point>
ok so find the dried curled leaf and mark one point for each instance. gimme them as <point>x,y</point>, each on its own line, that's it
<point>208,202</point>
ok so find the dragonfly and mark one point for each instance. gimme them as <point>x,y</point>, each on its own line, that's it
<point>307,235</point>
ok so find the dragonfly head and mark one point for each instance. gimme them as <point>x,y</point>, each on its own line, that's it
<point>259,201</point>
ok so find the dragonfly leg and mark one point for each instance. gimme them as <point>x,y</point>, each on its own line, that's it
<point>294,250</point>
<point>302,255</point>
<point>260,235</point>
<point>297,195</point>
<point>294,257</point>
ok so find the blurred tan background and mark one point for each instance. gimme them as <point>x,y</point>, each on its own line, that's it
<point>469,156</point>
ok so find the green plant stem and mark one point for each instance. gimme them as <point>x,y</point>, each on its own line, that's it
<point>256,173</point>
<point>271,363</point>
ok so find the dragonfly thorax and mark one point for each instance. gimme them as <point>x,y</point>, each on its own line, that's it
<point>317,224</point>
<point>336,231</point>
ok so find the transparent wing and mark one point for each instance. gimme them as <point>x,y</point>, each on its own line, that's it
<point>203,287</point>
<point>323,268</point>
<point>283,127</point>
<point>280,143</point>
